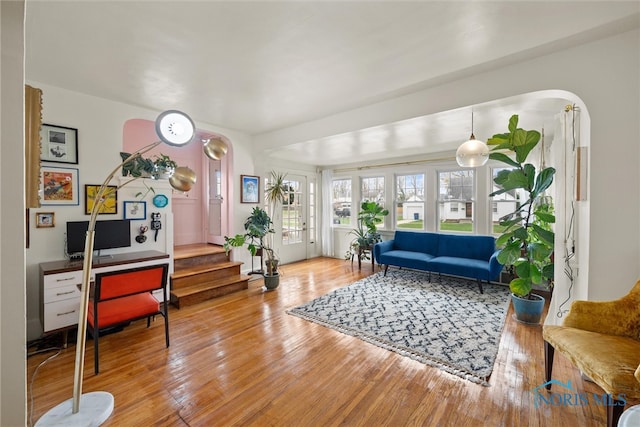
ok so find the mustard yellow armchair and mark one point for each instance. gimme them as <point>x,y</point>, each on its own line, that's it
<point>602,339</point>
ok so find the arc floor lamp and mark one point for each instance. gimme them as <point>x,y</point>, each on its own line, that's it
<point>174,128</point>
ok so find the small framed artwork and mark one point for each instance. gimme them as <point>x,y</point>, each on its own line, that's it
<point>110,199</point>
<point>45,219</point>
<point>250,189</point>
<point>135,210</point>
<point>59,186</point>
<point>58,144</point>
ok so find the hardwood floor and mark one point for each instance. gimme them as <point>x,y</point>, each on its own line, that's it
<point>241,360</point>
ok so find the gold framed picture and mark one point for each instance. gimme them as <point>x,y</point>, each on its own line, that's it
<point>110,197</point>
<point>45,219</point>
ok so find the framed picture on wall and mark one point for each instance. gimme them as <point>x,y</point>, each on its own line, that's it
<point>58,144</point>
<point>58,186</point>
<point>135,210</point>
<point>45,219</point>
<point>110,196</point>
<point>250,189</point>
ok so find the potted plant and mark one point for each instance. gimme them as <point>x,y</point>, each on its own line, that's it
<point>366,232</point>
<point>257,228</point>
<point>528,239</point>
<point>163,167</point>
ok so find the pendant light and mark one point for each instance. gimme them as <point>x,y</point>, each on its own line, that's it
<point>472,153</point>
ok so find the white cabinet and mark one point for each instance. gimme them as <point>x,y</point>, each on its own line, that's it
<point>60,283</point>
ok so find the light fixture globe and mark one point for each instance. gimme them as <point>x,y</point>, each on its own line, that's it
<point>215,148</point>
<point>175,128</point>
<point>182,179</point>
<point>472,153</point>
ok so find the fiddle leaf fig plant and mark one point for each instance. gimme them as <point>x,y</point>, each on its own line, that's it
<point>528,239</point>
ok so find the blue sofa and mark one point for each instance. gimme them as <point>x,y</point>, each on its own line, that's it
<point>470,256</point>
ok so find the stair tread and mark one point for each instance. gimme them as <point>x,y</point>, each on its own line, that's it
<point>200,287</point>
<point>195,250</point>
<point>199,269</point>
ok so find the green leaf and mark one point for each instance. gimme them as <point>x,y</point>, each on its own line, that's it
<point>546,236</point>
<point>530,173</point>
<point>544,180</point>
<point>501,157</point>
<point>523,269</point>
<point>545,217</point>
<point>499,139</point>
<point>520,286</point>
<point>513,123</point>
<point>509,254</point>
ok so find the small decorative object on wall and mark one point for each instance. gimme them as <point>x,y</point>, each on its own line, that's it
<point>45,219</point>
<point>58,144</point>
<point>250,189</point>
<point>160,201</point>
<point>58,186</point>
<point>141,238</point>
<point>135,210</point>
<point>110,205</point>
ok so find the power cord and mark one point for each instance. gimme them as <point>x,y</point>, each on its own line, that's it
<point>58,351</point>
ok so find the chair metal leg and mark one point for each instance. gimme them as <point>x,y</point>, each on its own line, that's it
<point>96,355</point>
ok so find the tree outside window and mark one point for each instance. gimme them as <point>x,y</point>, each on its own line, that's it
<point>341,201</point>
<point>410,201</point>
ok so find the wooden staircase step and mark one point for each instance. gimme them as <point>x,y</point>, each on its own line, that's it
<point>200,269</point>
<point>200,292</point>
<point>196,249</point>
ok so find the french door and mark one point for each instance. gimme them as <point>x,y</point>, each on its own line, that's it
<point>293,220</point>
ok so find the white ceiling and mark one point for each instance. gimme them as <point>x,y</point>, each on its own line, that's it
<point>266,65</point>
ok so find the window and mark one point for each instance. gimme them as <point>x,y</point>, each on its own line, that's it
<point>455,200</point>
<point>503,204</point>
<point>410,201</point>
<point>373,189</point>
<point>341,201</point>
<point>312,212</point>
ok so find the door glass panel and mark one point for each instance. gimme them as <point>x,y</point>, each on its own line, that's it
<point>292,220</point>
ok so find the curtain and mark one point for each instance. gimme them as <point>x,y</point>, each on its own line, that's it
<point>32,122</point>
<point>327,214</point>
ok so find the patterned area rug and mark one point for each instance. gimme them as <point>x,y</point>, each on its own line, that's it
<point>449,325</point>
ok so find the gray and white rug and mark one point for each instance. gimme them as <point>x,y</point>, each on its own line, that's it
<point>449,325</point>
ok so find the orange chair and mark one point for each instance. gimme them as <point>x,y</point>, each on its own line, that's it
<point>125,295</point>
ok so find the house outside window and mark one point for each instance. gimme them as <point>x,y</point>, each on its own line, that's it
<point>410,201</point>
<point>456,200</point>
<point>341,202</point>
<point>502,204</point>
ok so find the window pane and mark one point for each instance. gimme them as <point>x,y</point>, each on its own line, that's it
<point>373,191</point>
<point>341,201</point>
<point>292,227</point>
<point>455,200</point>
<point>410,201</point>
<point>504,203</point>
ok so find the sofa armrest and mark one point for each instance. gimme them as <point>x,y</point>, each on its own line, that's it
<point>494,266</point>
<point>618,317</point>
<point>382,247</point>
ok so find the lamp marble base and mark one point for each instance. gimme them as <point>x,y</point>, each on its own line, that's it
<point>95,408</point>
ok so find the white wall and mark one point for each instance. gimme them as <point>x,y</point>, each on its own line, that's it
<point>609,87</point>
<point>12,222</point>
<point>100,129</point>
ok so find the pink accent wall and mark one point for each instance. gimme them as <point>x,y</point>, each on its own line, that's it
<point>187,209</point>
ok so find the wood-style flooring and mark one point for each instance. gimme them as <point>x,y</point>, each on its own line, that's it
<point>240,360</point>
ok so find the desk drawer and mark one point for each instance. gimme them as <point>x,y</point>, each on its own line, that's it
<point>60,293</point>
<point>61,314</point>
<point>63,279</point>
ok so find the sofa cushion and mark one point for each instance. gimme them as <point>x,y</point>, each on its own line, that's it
<point>407,259</point>
<point>426,243</point>
<point>609,360</point>
<point>466,267</point>
<point>474,247</point>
